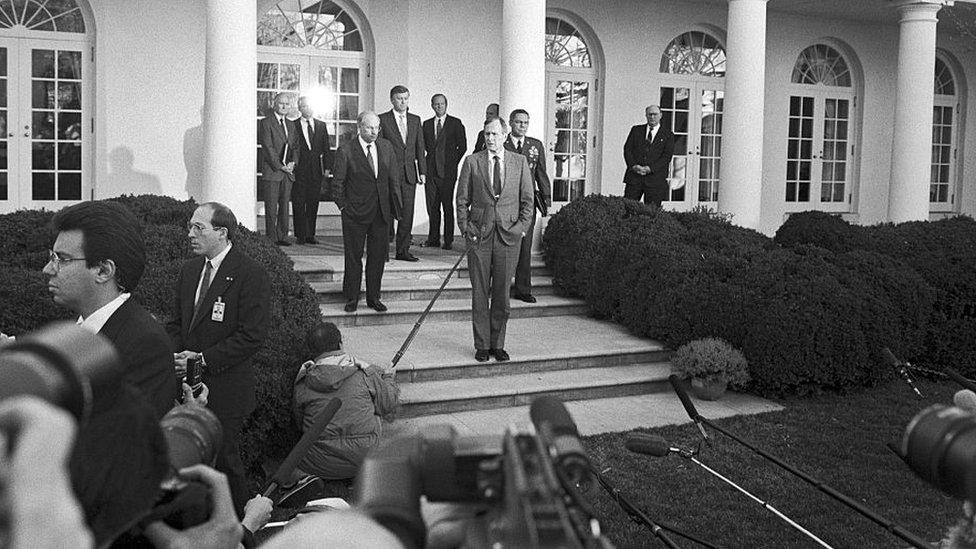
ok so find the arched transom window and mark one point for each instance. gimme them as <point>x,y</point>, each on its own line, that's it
<point>821,64</point>
<point>306,23</point>
<point>694,52</point>
<point>944,83</point>
<point>42,15</point>
<point>564,45</point>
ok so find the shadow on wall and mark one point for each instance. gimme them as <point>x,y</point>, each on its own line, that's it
<point>193,159</point>
<point>123,179</point>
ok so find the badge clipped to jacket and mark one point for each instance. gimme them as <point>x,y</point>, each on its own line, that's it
<point>217,315</point>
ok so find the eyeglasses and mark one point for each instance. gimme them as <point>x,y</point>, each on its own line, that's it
<point>197,228</point>
<point>56,260</point>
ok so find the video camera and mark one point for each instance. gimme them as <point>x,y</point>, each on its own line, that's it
<point>79,371</point>
<point>939,444</point>
<point>529,482</point>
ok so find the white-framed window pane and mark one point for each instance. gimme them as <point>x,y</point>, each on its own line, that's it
<point>565,46</point>
<point>694,52</point>
<point>321,25</point>
<point>821,64</point>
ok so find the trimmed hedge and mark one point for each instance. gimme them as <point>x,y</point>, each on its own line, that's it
<point>26,305</point>
<point>806,318</point>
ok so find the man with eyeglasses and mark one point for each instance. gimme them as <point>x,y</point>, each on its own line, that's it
<point>97,260</point>
<point>221,319</point>
<point>648,151</point>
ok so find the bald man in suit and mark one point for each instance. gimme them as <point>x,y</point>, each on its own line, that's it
<point>494,210</point>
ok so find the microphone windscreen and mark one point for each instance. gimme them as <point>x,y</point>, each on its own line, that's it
<point>965,399</point>
<point>647,444</point>
<point>890,357</point>
<point>550,410</point>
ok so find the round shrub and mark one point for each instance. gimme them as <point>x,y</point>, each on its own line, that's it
<point>711,360</point>
<point>821,229</point>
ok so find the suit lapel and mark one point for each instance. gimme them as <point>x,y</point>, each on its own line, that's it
<point>359,155</point>
<point>512,173</point>
<point>221,280</point>
<point>485,161</point>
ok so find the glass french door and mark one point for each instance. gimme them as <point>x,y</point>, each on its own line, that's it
<point>334,85</point>
<point>694,113</point>
<point>943,177</point>
<point>569,135</point>
<point>45,128</point>
<point>819,152</point>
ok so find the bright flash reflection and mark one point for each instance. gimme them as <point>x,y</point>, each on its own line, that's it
<point>322,101</point>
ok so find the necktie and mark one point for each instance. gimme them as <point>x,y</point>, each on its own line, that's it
<point>518,146</point>
<point>369,158</point>
<point>438,129</point>
<point>310,131</point>
<point>284,127</point>
<point>204,286</point>
<point>496,178</point>
<point>402,123</point>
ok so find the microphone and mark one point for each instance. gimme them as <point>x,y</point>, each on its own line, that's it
<point>283,474</point>
<point>649,445</point>
<point>965,399</point>
<point>689,405</point>
<point>891,359</point>
<point>553,422</point>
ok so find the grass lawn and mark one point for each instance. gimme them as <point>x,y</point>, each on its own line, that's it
<point>839,439</point>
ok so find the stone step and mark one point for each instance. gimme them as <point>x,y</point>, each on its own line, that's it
<point>445,310</point>
<point>422,289</point>
<point>315,269</point>
<point>481,393</point>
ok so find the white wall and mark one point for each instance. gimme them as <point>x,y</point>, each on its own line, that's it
<point>149,65</point>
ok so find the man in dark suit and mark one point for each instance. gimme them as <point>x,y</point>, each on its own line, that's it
<point>402,130</point>
<point>97,259</point>
<point>367,192</point>
<point>279,153</point>
<point>491,111</point>
<point>221,319</point>
<point>446,145</point>
<point>494,207</point>
<point>314,163</point>
<point>533,151</point>
<point>648,151</point>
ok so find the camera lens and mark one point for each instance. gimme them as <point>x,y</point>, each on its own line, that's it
<point>193,435</point>
<point>940,446</point>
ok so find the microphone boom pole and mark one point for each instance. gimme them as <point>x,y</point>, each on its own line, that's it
<point>423,315</point>
<point>639,516</point>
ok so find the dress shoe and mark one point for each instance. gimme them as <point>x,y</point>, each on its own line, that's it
<point>284,242</point>
<point>482,355</point>
<point>407,257</point>
<point>448,246</point>
<point>376,306</point>
<point>311,240</point>
<point>430,244</point>
<point>351,306</point>
<point>528,298</point>
<point>500,354</point>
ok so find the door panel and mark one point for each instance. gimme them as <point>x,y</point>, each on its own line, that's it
<point>818,160</point>
<point>569,119</point>
<point>694,114</point>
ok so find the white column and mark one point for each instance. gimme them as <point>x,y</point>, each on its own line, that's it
<point>911,149</point>
<point>740,188</point>
<point>523,78</point>
<point>229,106</point>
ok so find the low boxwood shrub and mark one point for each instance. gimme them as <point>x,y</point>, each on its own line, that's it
<point>26,305</point>
<point>821,229</point>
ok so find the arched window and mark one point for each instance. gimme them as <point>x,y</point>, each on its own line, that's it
<point>316,24</point>
<point>692,102</point>
<point>944,112</point>
<point>571,80</point>
<point>694,52</point>
<point>821,64</point>
<point>45,88</point>
<point>821,133</point>
<point>564,45</point>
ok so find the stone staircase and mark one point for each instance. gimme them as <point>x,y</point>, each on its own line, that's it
<point>556,349</point>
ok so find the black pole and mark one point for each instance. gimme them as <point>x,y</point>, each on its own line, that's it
<point>878,519</point>
<point>423,315</point>
<point>640,517</point>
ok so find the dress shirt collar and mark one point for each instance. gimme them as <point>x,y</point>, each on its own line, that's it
<point>97,320</point>
<point>219,258</point>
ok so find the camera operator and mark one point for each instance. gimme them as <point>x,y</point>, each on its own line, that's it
<point>34,479</point>
<point>97,259</point>
<point>367,393</point>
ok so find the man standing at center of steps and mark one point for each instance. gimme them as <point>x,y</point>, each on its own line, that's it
<point>402,129</point>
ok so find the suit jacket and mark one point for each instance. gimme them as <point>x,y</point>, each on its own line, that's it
<point>479,142</point>
<point>409,154</point>
<point>535,153</point>
<point>657,155</point>
<point>313,161</point>
<point>478,212</point>
<point>273,140</point>
<point>244,288</point>
<point>446,151</point>
<point>146,354</point>
<point>358,193</point>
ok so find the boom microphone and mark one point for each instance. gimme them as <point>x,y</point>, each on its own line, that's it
<point>689,405</point>
<point>901,367</point>
<point>648,444</point>
<point>283,475</point>
<point>553,422</point>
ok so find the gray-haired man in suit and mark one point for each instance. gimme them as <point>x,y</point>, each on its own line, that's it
<point>494,209</point>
